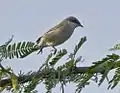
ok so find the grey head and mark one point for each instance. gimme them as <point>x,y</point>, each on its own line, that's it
<point>74,20</point>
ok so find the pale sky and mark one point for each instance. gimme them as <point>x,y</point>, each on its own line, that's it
<point>28,19</point>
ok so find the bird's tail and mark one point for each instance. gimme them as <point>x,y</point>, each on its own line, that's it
<point>38,41</point>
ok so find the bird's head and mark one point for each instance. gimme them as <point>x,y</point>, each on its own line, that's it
<point>73,21</point>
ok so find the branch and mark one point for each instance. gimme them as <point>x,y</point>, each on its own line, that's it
<point>26,78</point>
<point>68,72</point>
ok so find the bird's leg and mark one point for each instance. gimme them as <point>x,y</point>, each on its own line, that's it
<point>55,50</point>
<point>40,51</point>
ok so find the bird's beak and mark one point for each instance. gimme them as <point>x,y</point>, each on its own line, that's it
<point>81,25</point>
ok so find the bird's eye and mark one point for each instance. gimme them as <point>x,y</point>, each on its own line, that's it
<point>76,21</point>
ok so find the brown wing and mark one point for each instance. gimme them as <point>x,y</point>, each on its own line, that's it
<point>55,27</point>
<point>53,34</point>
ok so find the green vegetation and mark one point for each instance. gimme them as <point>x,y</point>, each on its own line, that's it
<point>48,74</point>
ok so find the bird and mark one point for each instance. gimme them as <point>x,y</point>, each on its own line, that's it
<point>58,34</point>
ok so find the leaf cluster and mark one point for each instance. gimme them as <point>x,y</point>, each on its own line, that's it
<point>51,75</point>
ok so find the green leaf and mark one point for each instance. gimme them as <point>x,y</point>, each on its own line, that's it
<point>14,81</point>
<point>116,47</point>
<point>19,50</point>
<point>58,56</point>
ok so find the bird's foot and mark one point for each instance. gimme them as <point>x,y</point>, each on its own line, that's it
<point>54,50</point>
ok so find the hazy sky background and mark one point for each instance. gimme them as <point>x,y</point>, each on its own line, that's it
<point>29,19</point>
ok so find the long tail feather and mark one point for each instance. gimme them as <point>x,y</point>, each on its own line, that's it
<point>38,40</point>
